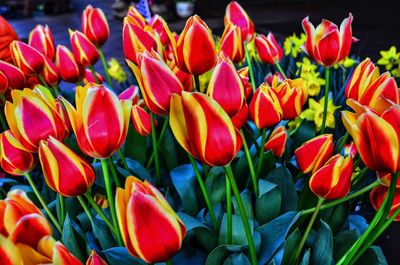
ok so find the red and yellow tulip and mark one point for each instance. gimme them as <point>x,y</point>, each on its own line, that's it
<point>27,58</point>
<point>377,196</point>
<point>277,141</point>
<point>161,28</point>
<point>70,71</point>
<point>9,252</point>
<point>236,15</point>
<point>50,73</point>
<point>268,49</point>
<point>248,89</point>
<point>231,43</point>
<point>135,17</point>
<point>90,78</point>
<point>95,25</point>
<point>84,51</point>
<point>131,93</point>
<point>204,129</point>
<point>11,77</point>
<point>333,180</point>
<point>144,213</point>
<point>42,40</point>
<point>95,259</point>
<point>141,120</point>
<point>100,120</point>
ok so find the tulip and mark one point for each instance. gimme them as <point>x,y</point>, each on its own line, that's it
<point>203,129</point>
<point>313,154</point>
<point>42,40</point>
<point>12,77</point>
<point>50,73</point>
<point>101,200</point>
<point>95,25</point>
<point>131,93</point>
<point>70,71</point>
<point>65,172</point>
<point>333,180</point>
<point>144,213</point>
<point>350,149</point>
<point>9,252</point>
<point>200,57</point>
<point>100,121</point>
<point>7,35</point>
<point>377,196</point>
<point>277,141</point>
<point>34,116</point>
<point>268,49</point>
<point>141,120</point>
<point>157,82</point>
<point>248,89</point>
<point>95,259</point>
<point>385,179</point>
<point>185,78</point>
<point>135,17</point>
<point>367,86</point>
<point>89,77</point>
<point>325,44</point>
<point>14,158</point>
<point>232,44</point>
<point>265,109</point>
<point>161,28</point>
<point>84,51</point>
<point>27,58</point>
<point>61,255</point>
<point>236,15</point>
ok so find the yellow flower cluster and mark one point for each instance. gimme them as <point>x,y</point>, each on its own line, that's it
<point>346,63</point>
<point>391,60</point>
<point>292,44</point>
<point>316,110</point>
<point>308,71</point>
<point>116,71</point>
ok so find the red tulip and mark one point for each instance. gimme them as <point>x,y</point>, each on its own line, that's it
<point>277,141</point>
<point>141,120</point>
<point>42,40</point>
<point>385,179</point>
<point>377,196</point>
<point>84,51</point>
<point>161,28</point>
<point>95,25</point>
<point>89,77</point>
<point>95,259</point>
<point>131,93</point>
<point>232,44</point>
<point>236,15</point>
<point>248,89</point>
<point>50,73</point>
<point>27,58</point>
<point>185,78</point>
<point>70,71</point>
<point>7,35</point>
<point>268,49</point>
<point>12,77</point>
<point>135,17</point>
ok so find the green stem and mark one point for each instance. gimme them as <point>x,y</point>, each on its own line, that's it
<point>44,204</point>
<point>205,193</point>
<point>103,60</point>
<point>43,81</point>
<point>169,262</point>
<point>62,209</point>
<point>163,130</point>
<point>242,211</point>
<point>250,162</point>
<point>91,68</point>
<point>280,70</point>
<point>93,203</point>
<point>344,199</point>
<point>196,83</point>
<point>86,208</point>
<point>123,158</point>
<point>249,64</point>
<point>228,209</point>
<point>3,99</point>
<point>56,90</point>
<point>155,150</point>
<point>261,155</point>
<point>114,173</point>
<point>307,231</point>
<point>110,198</point>
<point>326,98</point>
<point>357,179</point>
<point>343,141</point>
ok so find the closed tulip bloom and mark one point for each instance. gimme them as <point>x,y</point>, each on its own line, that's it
<point>70,70</point>
<point>232,44</point>
<point>35,107</point>
<point>367,86</point>
<point>27,58</point>
<point>161,28</point>
<point>95,25</point>
<point>135,17</point>
<point>12,77</point>
<point>95,259</point>
<point>195,49</point>
<point>42,40</point>
<point>313,154</point>
<point>7,35</point>
<point>65,172</point>
<point>9,252</point>
<point>248,89</point>
<point>385,179</point>
<point>89,77</point>
<point>185,78</point>
<point>204,129</point>
<point>141,120</point>
<point>350,149</point>
<point>50,73</point>
<point>100,120</point>
<point>236,15</point>
<point>377,196</point>
<point>333,180</point>
<point>265,108</point>
<point>157,82</point>
<point>268,49</point>
<point>144,213</point>
<point>131,93</point>
<point>84,51</point>
<point>277,141</point>
<point>326,44</point>
<point>14,158</point>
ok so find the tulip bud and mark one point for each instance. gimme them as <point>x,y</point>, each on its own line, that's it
<point>7,35</point>
<point>236,15</point>
<point>144,213</point>
<point>201,56</point>
<point>100,121</point>
<point>50,73</point>
<point>42,40</point>
<point>268,49</point>
<point>377,196</point>
<point>85,52</point>
<point>203,129</point>
<point>232,44</point>
<point>70,71</point>
<point>333,180</point>
<point>350,150</point>
<point>12,77</point>
<point>313,154</point>
<point>95,259</point>
<point>89,77</point>
<point>27,58</point>
<point>61,255</point>
<point>9,252</point>
<point>185,78</point>
<point>277,141</point>
<point>161,28</point>
<point>131,93</point>
<point>325,44</point>
<point>265,109</point>
<point>95,25</point>
<point>101,200</point>
<point>141,120</point>
<point>156,88</point>
<point>14,158</point>
<point>135,17</point>
<point>248,89</point>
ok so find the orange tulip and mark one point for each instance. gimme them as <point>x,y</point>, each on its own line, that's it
<point>236,15</point>
<point>27,58</point>
<point>333,180</point>
<point>70,71</point>
<point>144,213</point>
<point>42,40</point>
<point>203,129</point>
<point>9,252</point>
<point>12,77</point>
<point>100,121</point>
<point>268,49</point>
<point>84,51</point>
<point>277,141</point>
<point>141,120</point>
<point>377,196</point>
<point>313,154</point>
<point>232,44</point>
<point>95,25</point>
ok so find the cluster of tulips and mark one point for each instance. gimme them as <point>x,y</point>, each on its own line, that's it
<point>202,95</point>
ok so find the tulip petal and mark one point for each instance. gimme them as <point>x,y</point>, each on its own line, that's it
<point>9,253</point>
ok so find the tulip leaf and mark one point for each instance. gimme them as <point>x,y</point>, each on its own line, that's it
<point>238,233</point>
<point>336,217</point>
<point>120,255</point>
<point>282,177</point>
<point>306,258</point>
<point>305,132</point>
<point>342,243</point>
<point>190,255</point>
<point>103,234</point>
<point>323,246</point>
<point>268,163</point>
<point>185,183</point>
<point>290,246</point>
<point>136,169</point>
<point>220,253</point>
<point>273,235</point>
<point>168,150</point>
<point>215,184</point>
<point>7,181</point>
<point>237,259</point>
<point>248,205</point>
<point>135,146</point>
<point>373,256</point>
<point>268,203</point>
<point>70,240</point>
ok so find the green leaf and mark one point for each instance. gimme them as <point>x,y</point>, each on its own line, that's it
<point>184,180</point>
<point>168,150</point>
<point>306,258</point>
<point>268,204</point>
<point>237,259</point>
<point>343,241</point>
<point>136,169</point>
<point>135,145</point>
<point>103,234</point>
<point>336,217</point>
<point>305,132</point>
<point>373,256</point>
<point>190,255</point>
<point>70,240</point>
<point>220,253</point>
<point>238,232</point>
<point>215,184</point>
<point>268,163</point>
<point>248,205</point>
<point>291,244</point>
<point>120,256</point>
<point>281,176</point>
<point>323,246</point>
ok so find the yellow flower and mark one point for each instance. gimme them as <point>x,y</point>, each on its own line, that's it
<point>346,63</point>
<point>252,50</point>
<point>313,83</point>
<point>396,72</point>
<point>116,71</point>
<point>293,43</point>
<point>305,67</point>
<point>389,58</point>
<point>316,110</point>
